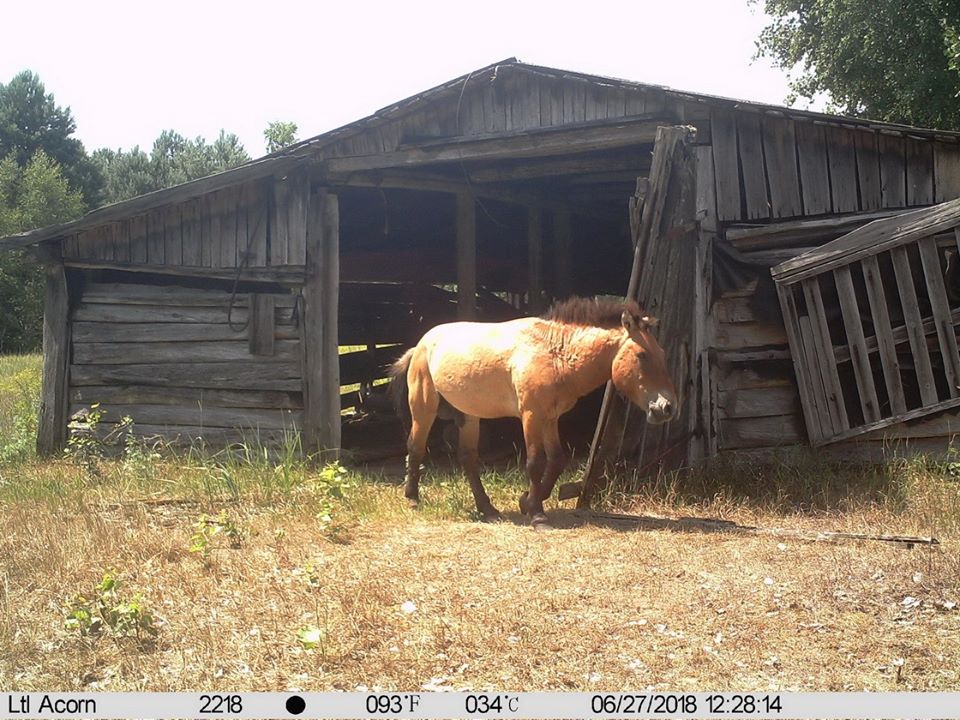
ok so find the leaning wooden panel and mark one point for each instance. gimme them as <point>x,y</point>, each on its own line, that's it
<point>823,426</point>
<point>884,334</point>
<point>914,323</point>
<point>940,305</point>
<point>866,390</point>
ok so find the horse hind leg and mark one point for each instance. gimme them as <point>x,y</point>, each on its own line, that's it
<point>470,462</point>
<point>424,401</point>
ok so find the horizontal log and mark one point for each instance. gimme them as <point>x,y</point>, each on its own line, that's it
<point>288,275</point>
<point>201,416</point>
<point>758,402</point>
<point>536,143</point>
<point>201,351</point>
<point>109,395</point>
<point>209,438</point>
<point>761,432</point>
<point>149,332</point>
<point>850,451</point>
<point>143,294</point>
<point>799,232</point>
<point>737,336</point>
<point>743,376</point>
<point>240,375</point>
<point>552,168</point>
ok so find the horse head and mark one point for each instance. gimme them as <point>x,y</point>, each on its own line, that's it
<point>640,369</point>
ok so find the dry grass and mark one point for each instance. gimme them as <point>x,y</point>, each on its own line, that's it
<point>433,599</point>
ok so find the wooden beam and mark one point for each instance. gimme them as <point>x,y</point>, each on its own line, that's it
<point>552,168</point>
<point>281,275</point>
<point>321,365</point>
<point>466,257</point>
<point>798,232</point>
<point>52,429</point>
<point>535,292</point>
<point>567,140</point>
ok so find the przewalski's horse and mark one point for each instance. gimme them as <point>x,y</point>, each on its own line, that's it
<point>534,369</point>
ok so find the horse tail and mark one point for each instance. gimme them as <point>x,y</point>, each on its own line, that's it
<point>398,388</point>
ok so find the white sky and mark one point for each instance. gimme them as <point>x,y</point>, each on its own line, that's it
<point>131,69</point>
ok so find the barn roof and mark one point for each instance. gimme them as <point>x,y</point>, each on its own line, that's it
<point>312,148</point>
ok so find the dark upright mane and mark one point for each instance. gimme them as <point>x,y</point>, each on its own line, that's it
<point>595,312</point>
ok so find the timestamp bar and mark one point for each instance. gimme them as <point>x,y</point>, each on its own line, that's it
<point>533,705</point>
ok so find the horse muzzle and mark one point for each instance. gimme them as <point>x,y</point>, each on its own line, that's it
<point>662,410</point>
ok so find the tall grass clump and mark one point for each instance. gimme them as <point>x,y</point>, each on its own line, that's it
<point>19,406</point>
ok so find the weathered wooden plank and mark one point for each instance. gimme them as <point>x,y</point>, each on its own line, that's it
<point>758,402</point>
<point>843,169</point>
<point>757,432</point>
<point>814,175</point>
<point>262,329</point>
<point>289,220</point>
<point>466,257</point>
<point>893,171</point>
<point>202,416</point>
<point>172,236</point>
<point>914,324</point>
<point>849,308</point>
<point>919,172</point>
<point>51,431</point>
<point>906,417</point>
<point>150,294</point>
<point>868,169</point>
<point>780,159</point>
<point>106,353</point>
<point>751,161</point>
<point>253,222</point>
<point>736,336</point>
<point>321,365</point>
<point>819,418</point>
<point>111,395</point>
<point>884,334</point>
<point>156,225</point>
<point>946,171</point>
<point>138,239</point>
<point>253,375</point>
<point>940,304</point>
<point>227,203</point>
<point>726,163</point>
<point>190,218</point>
<point>104,313</point>
<point>136,332</point>
<point>824,353</point>
<point>120,231</point>
<point>809,389</point>
<point>212,438</point>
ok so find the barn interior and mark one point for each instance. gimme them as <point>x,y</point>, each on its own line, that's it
<point>538,229</point>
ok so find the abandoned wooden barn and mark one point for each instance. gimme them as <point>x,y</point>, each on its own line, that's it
<point>218,306</point>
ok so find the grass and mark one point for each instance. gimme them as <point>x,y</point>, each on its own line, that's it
<point>262,572</point>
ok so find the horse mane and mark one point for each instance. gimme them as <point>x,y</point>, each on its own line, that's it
<point>592,312</point>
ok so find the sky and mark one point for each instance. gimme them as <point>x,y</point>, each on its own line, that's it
<point>129,70</point>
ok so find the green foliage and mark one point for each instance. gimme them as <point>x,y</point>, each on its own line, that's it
<point>31,121</point>
<point>311,637</point>
<point>107,610</point>
<point>19,407</point>
<point>882,59</point>
<point>174,159</point>
<point>280,134</point>
<point>208,528</point>
<point>33,196</point>
<point>331,486</point>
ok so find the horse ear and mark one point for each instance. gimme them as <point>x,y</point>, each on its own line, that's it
<point>648,322</point>
<point>628,321</point>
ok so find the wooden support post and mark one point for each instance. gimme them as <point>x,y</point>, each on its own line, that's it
<point>321,366</point>
<point>534,261</point>
<point>52,430</point>
<point>466,257</point>
<point>563,254</point>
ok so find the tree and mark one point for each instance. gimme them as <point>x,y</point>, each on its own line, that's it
<point>280,134</point>
<point>31,197</point>
<point>883,59</point>
<point>30,120</point>
<point>172,160</point>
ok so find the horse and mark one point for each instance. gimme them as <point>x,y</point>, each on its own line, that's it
<point>533,368</point>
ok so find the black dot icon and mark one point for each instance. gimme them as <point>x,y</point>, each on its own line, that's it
<point>295,705</point>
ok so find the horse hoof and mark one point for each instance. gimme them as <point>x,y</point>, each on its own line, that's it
<point>540,521</point>
<point>524,508</point>
<point>413,503</point>
<point>493,516</point>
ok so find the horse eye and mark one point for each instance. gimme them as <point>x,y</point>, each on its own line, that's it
<point>641,354</point>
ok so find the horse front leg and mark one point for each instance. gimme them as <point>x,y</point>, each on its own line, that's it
<point>531,502</point>
<point>470,462</point>
<point>557,459</point>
